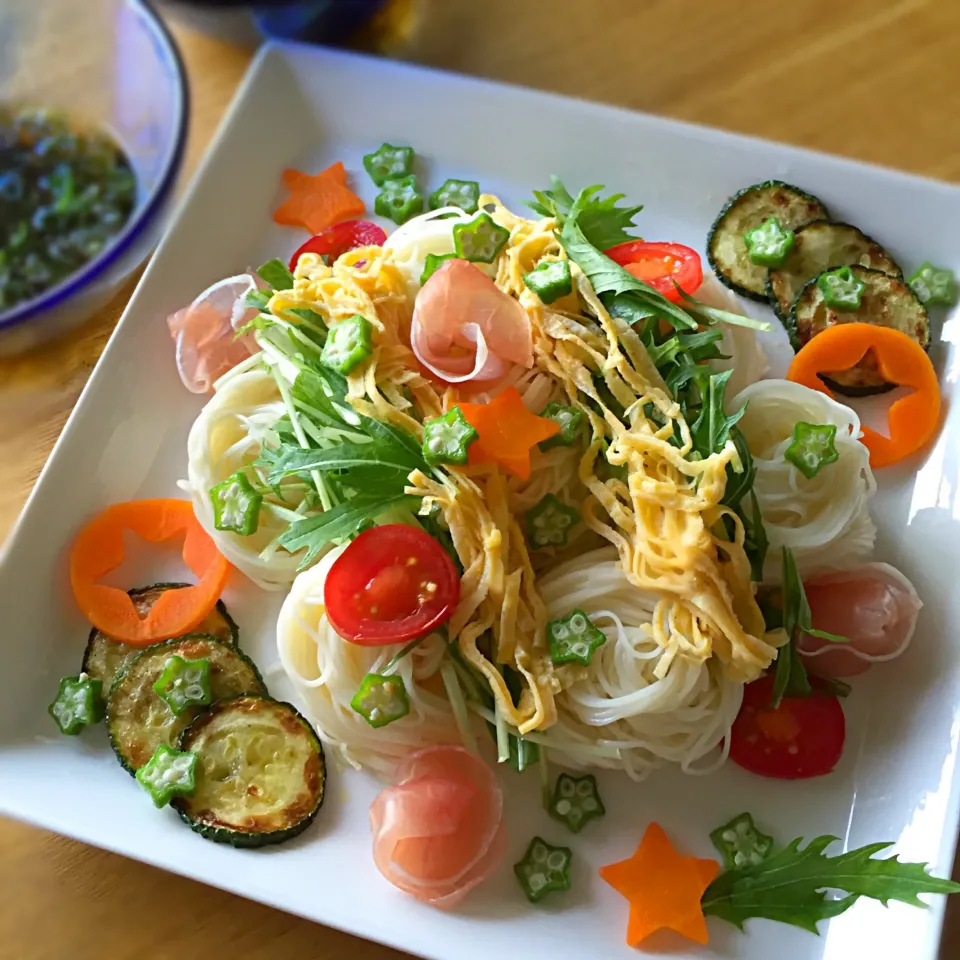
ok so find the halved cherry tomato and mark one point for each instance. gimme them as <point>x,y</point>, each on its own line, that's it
<point>660,264</point>
<point>802,738</point>
<point>393,583</point>
<point>340,238</point>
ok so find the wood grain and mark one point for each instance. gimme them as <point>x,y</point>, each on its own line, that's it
<point>873,81</point>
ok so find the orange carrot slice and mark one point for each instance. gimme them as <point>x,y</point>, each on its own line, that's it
<point>914,419</point>
<point>99,549</point>
<point>663,888</point>
<point>317,202</point>
<point>507,430</point>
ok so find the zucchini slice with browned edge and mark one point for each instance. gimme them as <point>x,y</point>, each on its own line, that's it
<point>139,720</point>
<point>260,773</point>
<point>105,658</point>
<point>886,301</point>
<point>747,209</point>
<point>819,246</point>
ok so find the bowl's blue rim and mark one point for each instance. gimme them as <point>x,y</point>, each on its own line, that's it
<point>63,291</point>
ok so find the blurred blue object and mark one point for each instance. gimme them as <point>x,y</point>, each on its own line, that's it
<point>110,65</point>
<point>315,21</point>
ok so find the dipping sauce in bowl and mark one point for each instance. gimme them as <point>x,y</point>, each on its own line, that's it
<point>94,104</point>
<point>65,193</point>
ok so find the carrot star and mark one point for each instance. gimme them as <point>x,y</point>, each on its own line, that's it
<point>507,432</point>
<point>663,888</point>
<point>317,202</point>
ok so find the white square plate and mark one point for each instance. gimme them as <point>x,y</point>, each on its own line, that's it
<point>306,107</point>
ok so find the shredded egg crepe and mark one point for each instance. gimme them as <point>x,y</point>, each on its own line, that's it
<point>636,489</point>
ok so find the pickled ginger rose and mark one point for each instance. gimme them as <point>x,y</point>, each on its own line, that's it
<point>875,606</point>
<point>439,831</point>
<point>466,328</point>
<point>205,332</point>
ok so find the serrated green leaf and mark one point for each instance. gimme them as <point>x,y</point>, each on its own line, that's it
<point>755,543</point>
<point>603,222</point>
<point>665,354</point>
<point>792,885</point>
<point>790,677</point>
<point>313,534</point>
<point>739,484</point>
<point>555,202</point>
<point>344,459</point>
<point>609,279</point>
<point>387,433</point>
<point>308,390</point>
<point>629,309</point>
<point>796,610</point>
<point>702,345</point>
<point>711,430</point>
<point>360,464</point>
<point>262,321</point>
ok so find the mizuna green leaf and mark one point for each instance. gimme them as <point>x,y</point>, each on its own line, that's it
<point>715,315</point>
<point>342,459</point>
<point>337,523</point>
<point>739,484</point>
<point>792,885</point>
<point>755,543</point>
<point>711,430</point>
<point>609,279</point>
<point>790,678</point>
<point>602,221</point>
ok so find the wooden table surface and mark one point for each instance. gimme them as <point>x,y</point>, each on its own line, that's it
<point>874,81</point>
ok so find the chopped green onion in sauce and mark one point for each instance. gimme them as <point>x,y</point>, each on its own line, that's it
<point>64,196</point>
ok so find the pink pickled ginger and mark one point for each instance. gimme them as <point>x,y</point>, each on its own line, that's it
<point>466,328</point>
<point>875,606</point>
<point>438,832</point>
<point>205,333</point>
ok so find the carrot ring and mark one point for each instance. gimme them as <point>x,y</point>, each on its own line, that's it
<point>99,549</point>
<point>913,420</point>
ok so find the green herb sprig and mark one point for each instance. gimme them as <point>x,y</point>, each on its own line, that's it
<point>603,222</point>
<point>357,465</point>
<point>790,677</point>
<point>791,886</point>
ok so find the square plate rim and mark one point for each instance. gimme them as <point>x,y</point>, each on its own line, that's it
<point>893,176</point>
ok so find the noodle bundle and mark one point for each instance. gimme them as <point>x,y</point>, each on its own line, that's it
<point>658,560</point>
<point>622,702</point>
<point>825,520</point>
<point>327,670</point>
<point>227,437</point>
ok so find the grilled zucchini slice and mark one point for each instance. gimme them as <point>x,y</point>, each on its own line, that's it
<point>138,720</point>
<point>887,301</point>
<point>819,246</point>
<point>260,773</point>
<point>105,658</point>
<point>726,250</point>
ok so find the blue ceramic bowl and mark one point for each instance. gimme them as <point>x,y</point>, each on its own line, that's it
<point>110,64</point>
